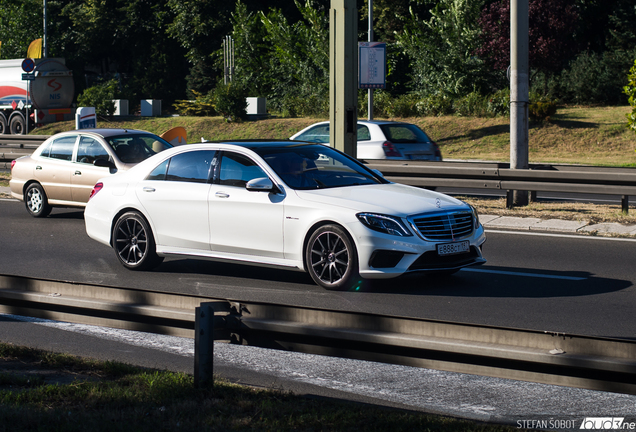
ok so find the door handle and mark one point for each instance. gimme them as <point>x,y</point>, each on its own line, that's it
<point>148,189</point>
<point>78,173</point>
<point>222,195</point>
<point>38,167</point>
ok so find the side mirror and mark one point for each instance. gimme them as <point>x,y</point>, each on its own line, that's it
<point>104,163</point>
<point>262,184</point>
<point>377,172</point>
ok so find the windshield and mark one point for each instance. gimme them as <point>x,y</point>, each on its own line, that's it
<point>317,167</point>
<point>138,147</point>
<point>404,133</point>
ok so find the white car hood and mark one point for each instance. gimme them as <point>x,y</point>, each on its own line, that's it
<point>394,199</point>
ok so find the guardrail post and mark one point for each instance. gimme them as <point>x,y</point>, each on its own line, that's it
<point>204,345</point>
<point>625,203</point>
<point>510,199</point>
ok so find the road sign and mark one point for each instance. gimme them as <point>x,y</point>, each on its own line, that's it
<point>28,77</point>
<point>28,65</point>
<point>371,65</point>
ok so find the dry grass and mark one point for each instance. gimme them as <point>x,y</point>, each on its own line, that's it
<point>584,212</point>
<point>576,135</point>
<point>87,395</point>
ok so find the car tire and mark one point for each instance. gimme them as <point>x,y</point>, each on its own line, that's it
<point>36,202</point>
<point>134,243</point>
<point>331,259</point>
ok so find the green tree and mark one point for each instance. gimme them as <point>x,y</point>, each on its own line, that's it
<point>630,91</point>
<point>125,39</point>
<point>20,24</point>
<point>441,48</point>
<point>288,63</point>
<point>101,97</point>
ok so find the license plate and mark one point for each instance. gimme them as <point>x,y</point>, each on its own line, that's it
<point>453,248</point>
<point>419,157</point>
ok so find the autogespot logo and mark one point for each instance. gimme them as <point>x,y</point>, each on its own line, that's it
<point>606,423</point>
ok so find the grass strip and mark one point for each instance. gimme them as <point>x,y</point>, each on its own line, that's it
<point>119,397</point>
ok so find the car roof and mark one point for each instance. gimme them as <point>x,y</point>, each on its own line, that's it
<point>256,144</point>
<point>375,122</point>
<point>105,132</point>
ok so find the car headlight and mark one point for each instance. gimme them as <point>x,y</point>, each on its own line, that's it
<point>477,223</point>
<point>384,224</point>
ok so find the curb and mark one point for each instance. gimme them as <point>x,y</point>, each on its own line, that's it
<point>556,226</point>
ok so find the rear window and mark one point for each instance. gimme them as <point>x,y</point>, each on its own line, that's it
<point>404,133</point>
<point>134,148</point>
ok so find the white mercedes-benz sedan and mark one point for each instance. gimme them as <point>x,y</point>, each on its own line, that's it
<point>297,206</point>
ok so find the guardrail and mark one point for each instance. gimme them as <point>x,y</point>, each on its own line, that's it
<point>15,146</point>
<point>538,178</point>
<point>578,179</point>
<point>22,141</point>
<point>539,356</point>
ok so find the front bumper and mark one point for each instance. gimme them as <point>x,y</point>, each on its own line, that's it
<point>384,256</point>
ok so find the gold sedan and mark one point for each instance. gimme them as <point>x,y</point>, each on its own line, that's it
<point>64,169</point>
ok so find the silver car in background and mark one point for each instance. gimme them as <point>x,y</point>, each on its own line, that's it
<point>378,139</point>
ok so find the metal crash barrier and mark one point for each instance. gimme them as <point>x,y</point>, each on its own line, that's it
<point>578,179</point>
<point>538,178</point>
<point>538,356</point>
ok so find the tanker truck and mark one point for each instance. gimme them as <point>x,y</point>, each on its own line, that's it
<point>44,98</point>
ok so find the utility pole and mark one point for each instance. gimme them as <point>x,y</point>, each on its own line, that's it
<point>343,78</point>
<point>519,93</point>
<point>44,43</point>
<point>370,91</point>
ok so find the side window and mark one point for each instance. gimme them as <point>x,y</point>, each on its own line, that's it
<point>90,150</point>
<point>363,133</point>
<point>318,134</point>
<point>62,148</point>
<point>46,149</point>
<point>159,173</point>
<point>193,166</point>
<point>237,170</point>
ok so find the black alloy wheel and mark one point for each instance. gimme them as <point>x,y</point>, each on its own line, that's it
<point>332,259</point>
<point>133,242</point>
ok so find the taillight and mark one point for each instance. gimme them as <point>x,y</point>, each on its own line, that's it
<point>390,150</point>
<point>96,189</point>
<point>438,153</point>
<point>12,164</point>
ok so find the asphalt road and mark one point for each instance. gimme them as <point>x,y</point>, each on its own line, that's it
<point>577,285</point>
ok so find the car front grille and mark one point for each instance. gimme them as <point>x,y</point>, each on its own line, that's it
<point>444,226</point>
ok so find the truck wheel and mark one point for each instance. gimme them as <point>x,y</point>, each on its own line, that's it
<point>3,124</point>
<point>17,125</point>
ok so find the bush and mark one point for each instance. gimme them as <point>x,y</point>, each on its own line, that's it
<point>304,106</point>
<point>435,105</point>
<point>499,103</point>
<point>230,101</point>
<point>202,106</point>
<point>473,104</point>
<point>381,104</point>
<point>100,97</point>
<point>594,78</point>
<point>404,106</point>
<point>630,91</point>
<point>541,107</point>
